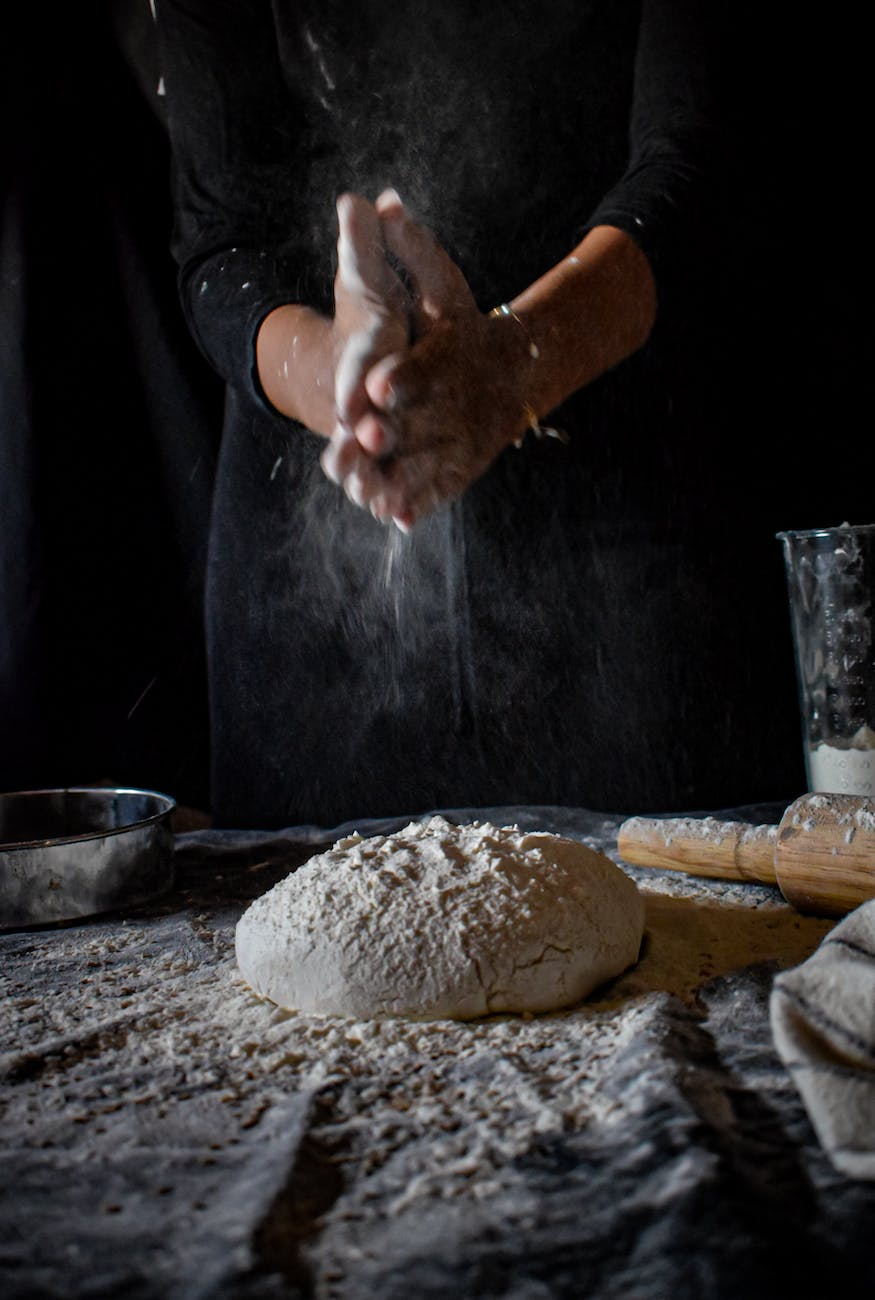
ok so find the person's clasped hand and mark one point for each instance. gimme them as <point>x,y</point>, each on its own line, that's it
<point>418,424</point>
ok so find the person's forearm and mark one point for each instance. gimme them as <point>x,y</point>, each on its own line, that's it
<point>582,317</point>
<point>295,357</point>
<point>585,315</point>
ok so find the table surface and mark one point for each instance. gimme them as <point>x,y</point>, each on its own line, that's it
<point>168,1134</point>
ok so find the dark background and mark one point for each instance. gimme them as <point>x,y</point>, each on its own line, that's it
<point>109,418</point>
<point>108,421</point>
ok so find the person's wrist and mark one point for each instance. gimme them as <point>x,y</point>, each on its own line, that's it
<point>524,360</point>
<point>515,355</point>
<point>291,356</point>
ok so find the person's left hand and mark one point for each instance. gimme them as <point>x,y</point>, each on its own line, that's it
<point>371,319</point>
<point>443,409</point>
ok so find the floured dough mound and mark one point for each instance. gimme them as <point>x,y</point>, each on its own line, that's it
<point>442,921</point>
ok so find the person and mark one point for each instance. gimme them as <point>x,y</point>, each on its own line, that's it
<point>520,194</point>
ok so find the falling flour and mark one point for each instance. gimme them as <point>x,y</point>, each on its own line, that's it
<point>442,921</point>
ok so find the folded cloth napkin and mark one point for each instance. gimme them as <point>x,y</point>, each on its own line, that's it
<point>823,1022</point>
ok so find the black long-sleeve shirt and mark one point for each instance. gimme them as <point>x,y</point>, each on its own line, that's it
<point>509,128</point>
<point>550,637</point>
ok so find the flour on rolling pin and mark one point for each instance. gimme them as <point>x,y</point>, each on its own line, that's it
<point>824,810</point>
<point>716,832</point>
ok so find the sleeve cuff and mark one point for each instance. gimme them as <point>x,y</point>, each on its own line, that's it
<point>226,296</point>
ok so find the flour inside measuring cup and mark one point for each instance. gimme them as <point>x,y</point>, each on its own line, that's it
<point>848,769</point>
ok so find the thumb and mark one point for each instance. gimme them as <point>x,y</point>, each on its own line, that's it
<point>400,384</point>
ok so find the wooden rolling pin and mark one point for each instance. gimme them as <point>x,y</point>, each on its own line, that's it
<point>821,854</point>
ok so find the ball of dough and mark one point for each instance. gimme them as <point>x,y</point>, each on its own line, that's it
<point>442,921</point>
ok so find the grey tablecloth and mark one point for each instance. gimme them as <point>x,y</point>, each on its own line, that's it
<point>166,1134</point>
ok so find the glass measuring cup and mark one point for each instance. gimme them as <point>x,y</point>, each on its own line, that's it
<point>830,581</point>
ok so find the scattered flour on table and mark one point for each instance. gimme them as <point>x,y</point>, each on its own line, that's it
<point>123,1040</point>
<point>442,921</point>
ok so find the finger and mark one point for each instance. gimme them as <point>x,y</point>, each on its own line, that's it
<point>389,383</point>
<point>404,523</point>
<point>353,486</point>
<point>360,260</point>
<point>365,486</point>
<point>340,455</point>
<point>405,494</point>
<point>360,476</point>
<point>421,484</point>
<point>375,435</point>
<point>439,285</point>
<point>362,267</point>
<point>368,298</point>
<point>413,392</point>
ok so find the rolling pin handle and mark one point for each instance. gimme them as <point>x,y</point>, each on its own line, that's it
<point>703,846</point>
